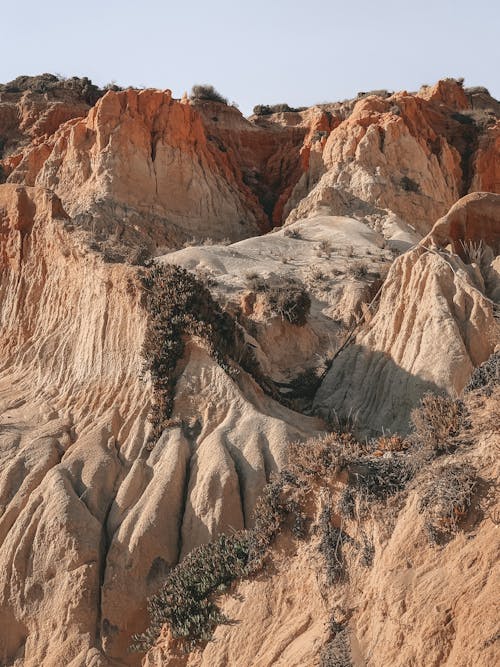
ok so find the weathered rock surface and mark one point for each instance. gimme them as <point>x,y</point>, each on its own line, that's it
<point>92,515</point>
<point>472,222</point>
<point>406,154</point>
<point>33,108</point>
<point>434,324</point>
<point>91,519</point>
<point>415,604</point>
<point>143,168</point>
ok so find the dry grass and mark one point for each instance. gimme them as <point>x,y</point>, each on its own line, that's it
<point>446,497</point>
<point>437,422</point>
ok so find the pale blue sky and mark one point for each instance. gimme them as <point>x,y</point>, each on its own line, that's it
<point>300,52</point>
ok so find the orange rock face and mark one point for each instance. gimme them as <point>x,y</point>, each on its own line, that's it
<point>411,155</point>
<point>33,108</point>
<point>93,514</point>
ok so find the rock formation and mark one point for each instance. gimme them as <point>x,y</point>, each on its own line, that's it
<point>416,603</point>
<point>94,513</point>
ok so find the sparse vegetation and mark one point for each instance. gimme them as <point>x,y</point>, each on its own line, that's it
<point>179,305</point>
<point>207,92</point>
<point>330,546</point>
<point>44,83</point>
<point>317,275</point>
<point>291,302</point>
<point>268,109</point>
<point>292,233</point>
<point>446,498</point>
<point>286,298</point>
<point>337,651</point>
<point>486,376</point>
<point>357,270</point>
<point>187,602</point>
<point>437,421</point>
<point>324,249</point>
<point>409,185</point>
<point>474,252</point>
<point>306,383</point>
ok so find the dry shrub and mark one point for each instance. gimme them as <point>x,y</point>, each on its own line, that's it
<point>437,422</point>
<point>378,478</point>
<point>446,497</point>
<point>290,301</point>
<point>306,383</point>
<point>357,270</point>
<point>337,651</point>
<point>324,249</point>
<point>474,252</point>
<point>320,457</point>
<point>285,297</point>
<point>280,500</point>
<point>367,550</point>
<point>342,423</point>
<point>346,504</point>
<point>331,542</point>
<point>317,275</point>
<point>390,443</point>
<point>486,376</point>
<point>292,233</point>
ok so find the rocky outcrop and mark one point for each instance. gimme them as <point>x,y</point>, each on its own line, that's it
<point>92,513</point>
<point>91,516</point>
<point>474,219</point>
<point>410,155</point>
<point>410,602</point>
<point>33,108</point>
<point>145,168</point>
<point>141,156</point>
<point>433,325</point>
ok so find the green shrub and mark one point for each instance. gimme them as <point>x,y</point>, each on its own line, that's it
<point>178,306</point>
<point>184,602</point>
<point>207,92</point>
<point>268,109</point>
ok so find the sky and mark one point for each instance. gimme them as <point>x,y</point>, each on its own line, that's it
<point>259,51</point>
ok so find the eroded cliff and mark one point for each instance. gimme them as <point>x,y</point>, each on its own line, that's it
<point>94,513</point>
